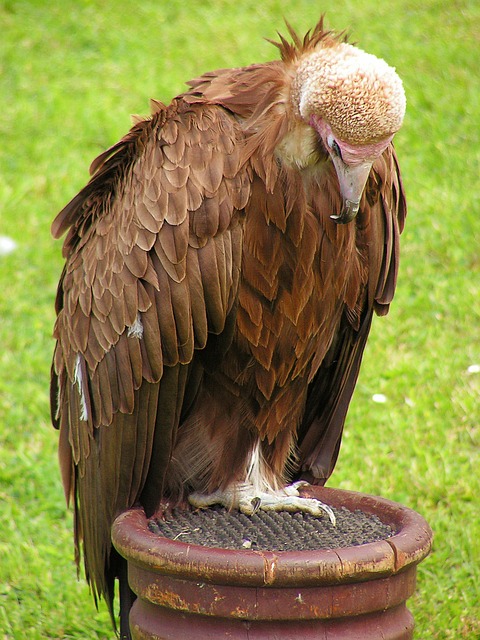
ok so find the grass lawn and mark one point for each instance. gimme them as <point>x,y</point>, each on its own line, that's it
<point>70,76</point>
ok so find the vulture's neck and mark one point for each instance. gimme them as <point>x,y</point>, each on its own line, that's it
<point>299,147</point>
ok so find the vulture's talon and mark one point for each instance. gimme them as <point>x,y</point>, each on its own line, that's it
<point>256,504</point>
<point>245,498</point>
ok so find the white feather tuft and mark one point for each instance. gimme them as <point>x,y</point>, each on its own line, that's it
<point>78,380</point>
<point>136,329</point>
<point>257,474</point>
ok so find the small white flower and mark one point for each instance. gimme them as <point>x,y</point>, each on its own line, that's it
<point>474,368</point>
<point>409,402</point>
<point>7,245</point>
<point>379,397</point>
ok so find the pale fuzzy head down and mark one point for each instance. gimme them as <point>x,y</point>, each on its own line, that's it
<point>358,94</point>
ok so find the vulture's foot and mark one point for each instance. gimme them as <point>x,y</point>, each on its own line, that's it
<point>243,496</point>
<point>164,511</point>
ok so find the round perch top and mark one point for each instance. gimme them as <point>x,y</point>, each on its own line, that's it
<point>269,530</point>
<point>250,565</point>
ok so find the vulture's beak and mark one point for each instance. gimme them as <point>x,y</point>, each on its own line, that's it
<point>352,179</point>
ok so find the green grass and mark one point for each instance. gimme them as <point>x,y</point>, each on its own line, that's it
<point>71,73</point>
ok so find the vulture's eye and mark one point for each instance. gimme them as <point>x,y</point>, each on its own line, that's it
<point>333,144</point>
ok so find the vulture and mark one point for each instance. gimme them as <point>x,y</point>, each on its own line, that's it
<point>222,267</point>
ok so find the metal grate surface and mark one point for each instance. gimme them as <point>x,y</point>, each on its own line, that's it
<point>283,531</point>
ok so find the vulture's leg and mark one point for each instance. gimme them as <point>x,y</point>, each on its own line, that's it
<point>248,500</point>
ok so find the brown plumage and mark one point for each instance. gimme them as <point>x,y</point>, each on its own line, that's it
<point>220,280</point>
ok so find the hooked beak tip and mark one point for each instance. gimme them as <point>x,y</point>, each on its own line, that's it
<point>349,211</point>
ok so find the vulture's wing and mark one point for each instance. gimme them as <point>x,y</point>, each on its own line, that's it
<point>152,265</point>
<point>379,224</point>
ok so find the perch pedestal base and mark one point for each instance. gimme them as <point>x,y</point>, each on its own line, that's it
<point>188,592</point>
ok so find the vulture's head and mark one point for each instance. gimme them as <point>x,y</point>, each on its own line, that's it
<point>355,102</point>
